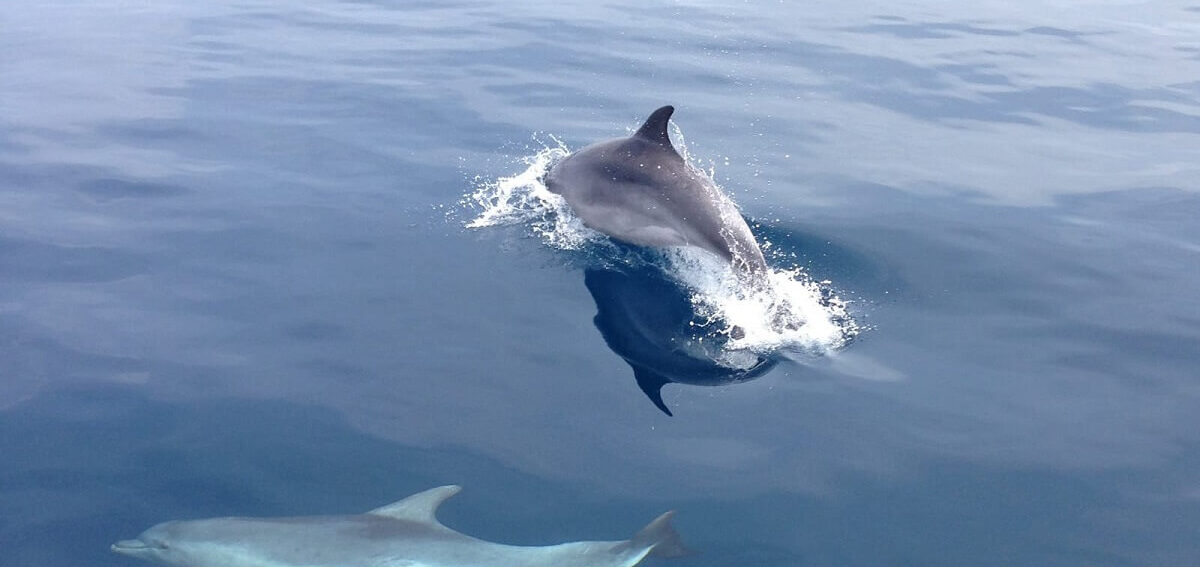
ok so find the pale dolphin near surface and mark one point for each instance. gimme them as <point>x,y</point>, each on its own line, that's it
<point>639,190</point>
<point>403,534</point>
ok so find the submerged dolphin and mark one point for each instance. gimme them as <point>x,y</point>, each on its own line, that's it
<point>403,534</point>
<point>639,190</point>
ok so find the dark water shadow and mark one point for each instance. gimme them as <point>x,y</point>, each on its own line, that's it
<point>107,189</point>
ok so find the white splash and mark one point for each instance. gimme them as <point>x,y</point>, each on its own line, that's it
<point>792,313</point>
<point>524,199</point>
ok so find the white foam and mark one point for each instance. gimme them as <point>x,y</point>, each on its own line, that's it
<point>791,312</point>
<point>524,199</point>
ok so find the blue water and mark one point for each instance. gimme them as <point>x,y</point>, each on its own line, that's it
<point>236,276</point>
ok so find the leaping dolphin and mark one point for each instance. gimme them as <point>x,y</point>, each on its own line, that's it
<point>403,534</point>
<point>639,190</point>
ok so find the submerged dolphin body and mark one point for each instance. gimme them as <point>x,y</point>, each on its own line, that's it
<point>639,190</point>
<point>403,534</point>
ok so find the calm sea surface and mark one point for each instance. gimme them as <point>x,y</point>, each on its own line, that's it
<point>236,276</point>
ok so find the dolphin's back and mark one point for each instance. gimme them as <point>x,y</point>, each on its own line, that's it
<point>640,191</point>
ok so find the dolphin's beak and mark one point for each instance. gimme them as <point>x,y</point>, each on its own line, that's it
<point>132,547</point>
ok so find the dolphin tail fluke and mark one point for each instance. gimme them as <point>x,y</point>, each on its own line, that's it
<point>662,539</point>
<point>652,383</point>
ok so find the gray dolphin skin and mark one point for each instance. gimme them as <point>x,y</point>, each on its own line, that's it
<point>403,534</point>
<point>640,191</point>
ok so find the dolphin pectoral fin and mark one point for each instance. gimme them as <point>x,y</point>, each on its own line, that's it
<point>652,383</point>
<point>420,507</point>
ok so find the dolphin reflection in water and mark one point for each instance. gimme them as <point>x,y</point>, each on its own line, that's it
<point>403,534</point>
<point>647,319</point>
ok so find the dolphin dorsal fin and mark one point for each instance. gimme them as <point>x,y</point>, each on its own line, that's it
<point>655,128</point>
<point>420,507</point>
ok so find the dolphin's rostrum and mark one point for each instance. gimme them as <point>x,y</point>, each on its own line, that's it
<point>639,190</point>
<point>403,534</point>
